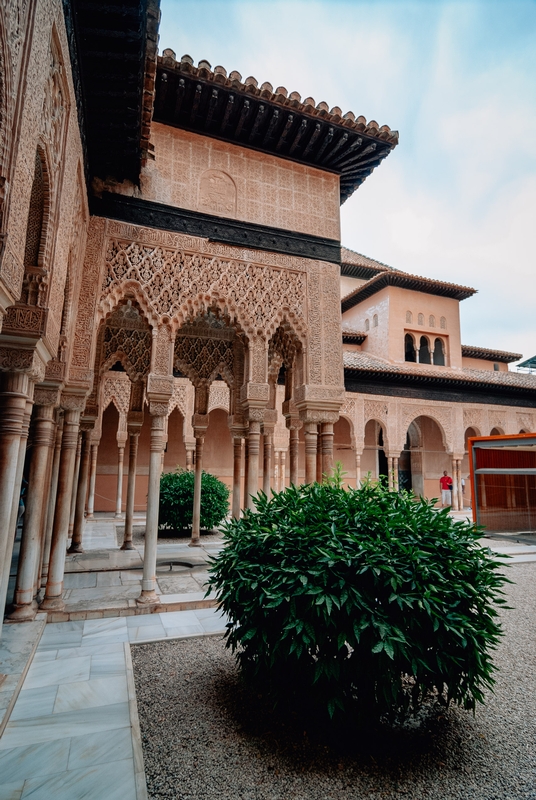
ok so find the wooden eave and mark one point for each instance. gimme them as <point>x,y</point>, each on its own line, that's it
<point>404,281</point>
<point>353,337</point>
<point>468,351</point>
<point>212,104</point>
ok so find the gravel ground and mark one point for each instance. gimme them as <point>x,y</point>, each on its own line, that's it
<point>205,736</point>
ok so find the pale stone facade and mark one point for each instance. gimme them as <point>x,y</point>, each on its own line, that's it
<point>171,296</point>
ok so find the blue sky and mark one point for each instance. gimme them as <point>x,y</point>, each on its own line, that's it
<point>456,199</point>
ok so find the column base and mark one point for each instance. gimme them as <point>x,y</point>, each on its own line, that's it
<point>75,548</point>
<point>127,546</point>
<point>23,613</point>
<point>118,515</point>
<point>148,597</point>
<point>194,543</point>
<point>90,516</point>
<point>53,604</point>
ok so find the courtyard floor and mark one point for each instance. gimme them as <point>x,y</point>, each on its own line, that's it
<point>74,732</point>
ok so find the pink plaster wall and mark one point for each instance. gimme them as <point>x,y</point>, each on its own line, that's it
<point>481,363</point>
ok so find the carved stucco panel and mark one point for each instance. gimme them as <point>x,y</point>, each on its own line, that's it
<point>219,396</point>
<point>331,318</point>
<point>474,418</point>
<point>116,389</point>
<point>525,421</point>
<point>440,414</point>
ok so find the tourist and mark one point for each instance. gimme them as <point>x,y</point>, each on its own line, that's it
<point>445,484</point>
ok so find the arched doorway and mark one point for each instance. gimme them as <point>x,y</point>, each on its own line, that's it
<point>374,460</point>
<point>427,456</point>
<point>344,450</point>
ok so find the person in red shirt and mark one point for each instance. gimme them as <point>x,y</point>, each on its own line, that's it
<point>445,484</point>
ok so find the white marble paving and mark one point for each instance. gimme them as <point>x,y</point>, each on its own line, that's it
<point>70,735</point>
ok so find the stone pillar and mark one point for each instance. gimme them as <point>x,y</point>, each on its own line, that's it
<point>246,471</point>
<point>12,434</point>
<point>51,505</point>
<point>294,453</point>
<point>189,458</point>
<point>81,492</point>
<point>237,469</point>
<point>327,437</point>
<point>282,457</point>
<point>358,470</point>
<point>133,440</point>
<point>460,491</point>
<point>92,480</point>
<point>75,485</point>
<point>119,492</point>
<point>454,491</point>
<point>268,442</point>
<point>148,594</point>
<point>254,437</point>
<point>311,437</point>
<point>318,455</point>
<point>395,474</point>
<point>53,600</point>
<point>25,608</point>
<point>390,473</point>
<point>199,431</point>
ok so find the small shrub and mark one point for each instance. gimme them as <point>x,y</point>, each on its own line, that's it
<point>359,600</point>
<point>177,500</point>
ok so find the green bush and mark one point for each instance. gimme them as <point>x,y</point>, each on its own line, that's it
<point>177,500</point>
<point>359,600</point>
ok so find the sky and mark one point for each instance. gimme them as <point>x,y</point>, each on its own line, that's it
<point>456,199</point>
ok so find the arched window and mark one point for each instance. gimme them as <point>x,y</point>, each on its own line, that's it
<point>439,353</point>
<point>443,323</point>
<point>431,321</point>
<point>367,324</point>
<point>424,351</point>
<point>375,321</point>
<point>409,348</point>
<point>409,316</point>
<point>34,227</point>
<point>420,319</point>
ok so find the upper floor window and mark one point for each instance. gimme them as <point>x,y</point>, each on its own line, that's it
<point>424,351</point>
<point>420,319</point>
<point>367,325</point>
<point>375,321</point>
<point>496,367</point>
<point>443,323</point>
<point>409,316</point>
<point>409,348</point>
<point>439,353</point>
<point>431,321</point>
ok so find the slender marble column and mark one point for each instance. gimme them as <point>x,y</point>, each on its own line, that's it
<point>131,490</point>
<point>358,470</point>
<point>92,480</point>
<point>189,459</point>
<point>390,473</point>
<point>294,455</point>
<point>319,476</point>
<point>34,515</point>
<point>76,473</point>
<point>267,462</point>
<point>51,505</point>
<point>395,474</point>
<point>454,490</point>
<point>119,493</point>
<point>148,594</point>
<point>53,600</point>
<point>5,566</point>
<point>254,436</point>
<point>13,399</point>
<point>195,541</point>
<point>327,437</point>
<point>460,490</point>
<point>237,469</point>
<point>282,476</point>
<point>311,436</point>
<point>246,471</point>
<point>81,492</point>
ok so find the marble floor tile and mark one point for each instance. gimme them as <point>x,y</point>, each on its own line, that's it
<point>100,748</point>
<point>61,627</point>
<point>44,655</point>
<point>104,664</point>
<point>61,726</point>
<point>60,639</point>
<point>173,619</point>
<point>203,613</point>
<point>131,576</point>
<point>93,628</point>
<point>91,694</point>
<point>35,702</point>
<point>47,673</point>
<point>92,649</point>
<point>80,580</point>
<point>214,624</point>
<point>11,791</point>
<point>138,620</point>
<point>108,579</point>
<point>146,632</point>
<point>114,781</point>
<point>46,758</point>
<point>184,630</point>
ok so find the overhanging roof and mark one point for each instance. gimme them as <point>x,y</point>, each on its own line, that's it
<point>404,281</point>
<point>113,56</point>
<point>211,103</point>
<point>489,355</point>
